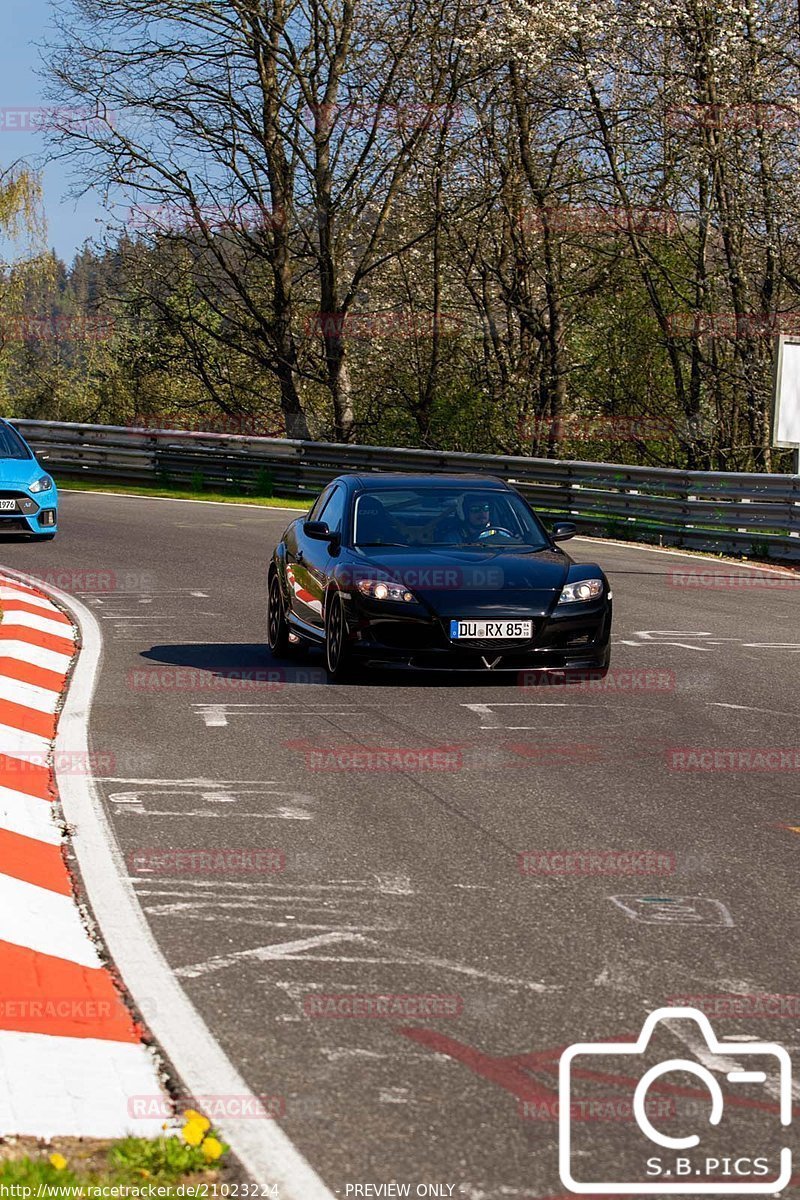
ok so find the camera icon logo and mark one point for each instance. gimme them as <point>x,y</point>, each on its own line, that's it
<point>661,1163</point>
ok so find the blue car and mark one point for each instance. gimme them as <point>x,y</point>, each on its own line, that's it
<point>28,496</point>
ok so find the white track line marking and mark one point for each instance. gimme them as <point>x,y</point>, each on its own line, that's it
<point>289,508</point>
<point>272,953</point>
<point>266,1153</point>
<point>288,950</point>
<point>771,712</point>
<point>695,554</point>
<point>44,921</point>
<point>77,1087</point>
<point>29,816</point>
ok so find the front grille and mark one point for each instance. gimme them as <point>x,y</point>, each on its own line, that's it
<point>402,635</point>
<point>499,647</point>
<point>24,503</point>
<point>9,522</point>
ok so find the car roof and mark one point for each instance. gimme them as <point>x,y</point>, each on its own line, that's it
<point>387,479</point>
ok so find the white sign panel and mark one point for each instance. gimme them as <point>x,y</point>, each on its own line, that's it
<point>786,419</point>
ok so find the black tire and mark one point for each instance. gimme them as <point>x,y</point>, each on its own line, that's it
<point>338,659</point>
<point>277,625</point>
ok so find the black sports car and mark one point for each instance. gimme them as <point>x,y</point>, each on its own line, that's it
<point>445,572</point>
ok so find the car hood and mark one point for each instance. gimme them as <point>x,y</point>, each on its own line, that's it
<point>19,472</point>
<point>455,582</point>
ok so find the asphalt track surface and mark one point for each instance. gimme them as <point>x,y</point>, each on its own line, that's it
<point>406,880</point>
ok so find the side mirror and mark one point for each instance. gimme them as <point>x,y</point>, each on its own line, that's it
<point>318,531</point>
<point>563,531</point>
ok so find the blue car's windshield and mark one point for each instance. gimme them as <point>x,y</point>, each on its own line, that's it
<point>472,517</point>
<point>11,444</point>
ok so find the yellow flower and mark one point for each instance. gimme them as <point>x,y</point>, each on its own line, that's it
<point>193,1115</point>
<point>58,1161</point>
<point>212,1149</point>
<point>196,1118</point>
<point>193,1133</point>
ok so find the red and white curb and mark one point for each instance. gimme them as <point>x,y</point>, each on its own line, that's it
<point>263,1150</point>
<point>71,1056</point>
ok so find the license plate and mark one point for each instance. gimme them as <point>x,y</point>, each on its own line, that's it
<point>502,631</point>
<point>8,506</point>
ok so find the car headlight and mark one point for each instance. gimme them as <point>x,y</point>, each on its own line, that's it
<point>584,589</point>
<point>43,484</point>
<point>384,589</point>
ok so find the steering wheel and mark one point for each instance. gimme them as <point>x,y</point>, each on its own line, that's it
<point>487,533</point>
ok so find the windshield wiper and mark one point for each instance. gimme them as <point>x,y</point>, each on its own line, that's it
<point>402,545</point>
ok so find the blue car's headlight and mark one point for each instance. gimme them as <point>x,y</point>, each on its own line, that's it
<point>43,484</point>
<point>583,589</point>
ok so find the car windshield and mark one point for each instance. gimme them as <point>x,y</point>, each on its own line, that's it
<point>11,445</point>
<point>477,517</point>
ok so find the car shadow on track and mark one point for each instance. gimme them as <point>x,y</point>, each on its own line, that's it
<point>250,667</point>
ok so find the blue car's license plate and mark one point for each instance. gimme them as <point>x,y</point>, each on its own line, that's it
<point>502,631</point>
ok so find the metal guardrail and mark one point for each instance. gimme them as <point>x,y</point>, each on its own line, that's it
<point>731,513</point>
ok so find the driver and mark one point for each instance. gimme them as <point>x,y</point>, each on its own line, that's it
<point>375,525</point>
<point>473,516</point>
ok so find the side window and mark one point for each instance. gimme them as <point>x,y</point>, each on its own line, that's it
<point>334,510</point>
<point>319,504</point>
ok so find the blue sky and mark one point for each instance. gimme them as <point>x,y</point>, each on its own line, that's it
<point>69,221</point>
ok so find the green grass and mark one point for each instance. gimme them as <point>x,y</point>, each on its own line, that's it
<point>170,493</point>
<point>132,1162</point>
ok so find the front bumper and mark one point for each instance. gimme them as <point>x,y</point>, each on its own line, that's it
<point>562,641</point>
<point>29,515</point>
